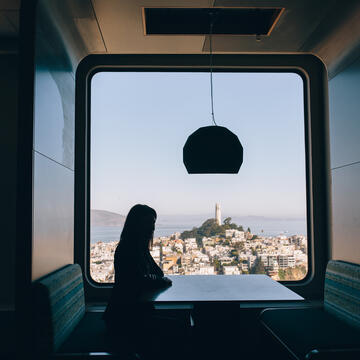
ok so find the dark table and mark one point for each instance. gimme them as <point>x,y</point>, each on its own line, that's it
<point>223,288</point>
<point>213,302</point>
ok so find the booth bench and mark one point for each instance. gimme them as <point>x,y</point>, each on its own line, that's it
<point>61,327</point>
<point>328,332</point>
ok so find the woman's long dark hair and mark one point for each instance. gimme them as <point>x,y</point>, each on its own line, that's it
<point>133,235</point>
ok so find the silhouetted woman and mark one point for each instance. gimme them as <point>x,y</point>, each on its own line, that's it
<point>136,272</point>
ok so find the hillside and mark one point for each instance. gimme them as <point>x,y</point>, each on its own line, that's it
<point>210,228</point>
<point>106,218</point>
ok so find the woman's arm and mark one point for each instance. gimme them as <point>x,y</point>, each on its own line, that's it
<point>155,278</point>
<point>152,282</point>
<point>139,274</point>
<point>155,269</point>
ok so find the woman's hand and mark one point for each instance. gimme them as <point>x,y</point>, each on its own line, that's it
<point>167,281</point>
<point>152,281</point>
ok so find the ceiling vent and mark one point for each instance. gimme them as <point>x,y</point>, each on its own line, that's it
<point>194,21</point>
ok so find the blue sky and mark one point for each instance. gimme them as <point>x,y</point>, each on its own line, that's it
<point>140,122</point>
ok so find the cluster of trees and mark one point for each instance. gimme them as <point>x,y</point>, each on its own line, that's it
<point>228,225</point>
<point>295,273</point>
<point>210,228</point>
<point>258,267</point>
<point>218,267</point>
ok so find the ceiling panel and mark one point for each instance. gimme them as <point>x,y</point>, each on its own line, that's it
<point>337,38</point>
<point>322,27</point>
<point>75,23</point>
<point>121,24</point>
<point>295,25</point>
<point>327,28</point>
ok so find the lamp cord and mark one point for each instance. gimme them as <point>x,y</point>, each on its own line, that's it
<point>211,73</point>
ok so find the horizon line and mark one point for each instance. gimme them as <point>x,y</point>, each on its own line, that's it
<point>283,217</point>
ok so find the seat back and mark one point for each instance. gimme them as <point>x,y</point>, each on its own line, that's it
<point>342,291</point>
<point>58,305</point>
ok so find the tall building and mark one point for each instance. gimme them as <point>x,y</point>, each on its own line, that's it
<point>218,214</point>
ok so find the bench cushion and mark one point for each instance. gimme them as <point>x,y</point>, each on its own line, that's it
<point>342,291</point>
<point>88,336</point>
<point>302,330</point>
<point>58,305</point>
<point>7,335</point>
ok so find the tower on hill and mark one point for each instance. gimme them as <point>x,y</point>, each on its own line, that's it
<point>218,214</point>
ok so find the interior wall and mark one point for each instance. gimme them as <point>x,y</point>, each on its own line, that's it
<point>53,149</point>
<point>344,100</point>
<point>8,144</point>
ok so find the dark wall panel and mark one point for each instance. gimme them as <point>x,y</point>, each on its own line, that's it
<point>8,143</point>
<point>344,99</point>
<point>54,95</point>
<point>346,213</point>
<point>53,216</point>
<point>54,125</point>
<point>53,150</point>
<point>344,92</point>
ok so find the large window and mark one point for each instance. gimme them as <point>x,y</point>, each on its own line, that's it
<point>139,124</point>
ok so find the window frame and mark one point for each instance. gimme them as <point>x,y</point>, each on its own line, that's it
<point>313,74</point>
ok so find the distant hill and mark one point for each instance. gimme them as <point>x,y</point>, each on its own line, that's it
<point>106,218</point>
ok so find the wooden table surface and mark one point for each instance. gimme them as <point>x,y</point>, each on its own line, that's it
<point>223,288</point>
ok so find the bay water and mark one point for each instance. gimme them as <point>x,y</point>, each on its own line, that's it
<point>259,226</point>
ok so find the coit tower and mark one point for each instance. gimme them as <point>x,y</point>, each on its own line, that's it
<point>217,214</point>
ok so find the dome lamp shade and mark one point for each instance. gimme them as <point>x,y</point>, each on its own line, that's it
<point>213,150</point>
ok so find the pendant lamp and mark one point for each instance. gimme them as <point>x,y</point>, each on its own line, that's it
<point>212,149</point>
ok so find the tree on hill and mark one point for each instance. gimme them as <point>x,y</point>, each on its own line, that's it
<point>258,267</point>
<point>296,273</point>
<point>227,225</point>
<point>234,253</point>
<point>218,267</point>
<point>281,274</point>
<point>210,228</point>
<point>189,233</point>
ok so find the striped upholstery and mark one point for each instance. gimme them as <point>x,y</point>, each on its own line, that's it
<point>342,291</point>
<point>58,306</point>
